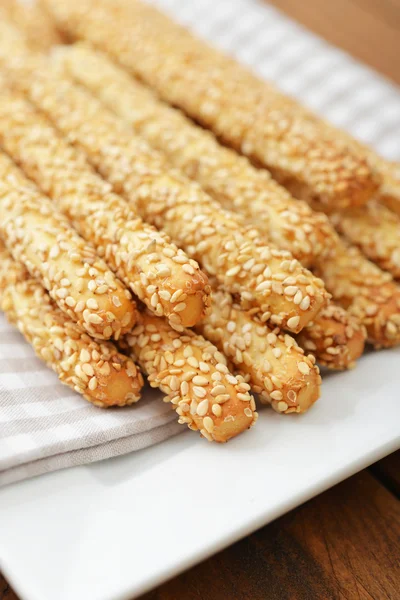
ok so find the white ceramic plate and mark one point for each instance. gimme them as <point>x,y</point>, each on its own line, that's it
<point>113,530</point>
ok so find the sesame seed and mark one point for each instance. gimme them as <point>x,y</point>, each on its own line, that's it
<point>95,319</point>
<point>180,307</point>
<point>84,355</point>
<point>264,286</point>
<point>293,322</point>
<point>175,296</point>
<point>218,389</point>
<point>233,271</point>
<point>70,301</point>
<point>231,326</point>
<point>202,408</point>
<point>80,306</point>
<point>187,351</point>
<point>204,367</point>
<point>92,304</point>
<point>208,424</point>
<point>101,289</point>
<point>165,295</point>
<point>116,301</point>
<point>305,303</point>
<point>291,290</point>
<point>193,362</point>
<point>199,380</point>
<point>303,368</point>
<point>88,369</point>
<point>62,293</point>
<point>222,398</point>
<point>105,369</point>
<point>174,383</point>
<point>198,391</point>
<point>217,410</point>
<point>92,385</point>
<point>298,297</point>
<point>266,366</point>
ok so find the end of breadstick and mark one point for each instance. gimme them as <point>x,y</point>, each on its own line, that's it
<point>376,231</point>
<point>270,361</point>
<point>116,381</point>
<point>96,370</point>
<point>195,378</point>
<point>301,387</point>
<point>335,337</point>
<point>287,295</point>
<point>188,297</point>
<point>339,178</point>
<point>380,313</point>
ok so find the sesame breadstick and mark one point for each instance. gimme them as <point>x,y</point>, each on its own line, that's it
<point>376,231</point>
<point>230,178</point>
<point>366,292</point>
<point>160,274</point>
<point>222,95</point>
<point>77,280</point>
<point>336,338</point>
<point>269,279</point>
<point>389,172</point>
<point>95,369</point>
<point>34,22</point>
<point>273,364</point>
<point>194,375</point>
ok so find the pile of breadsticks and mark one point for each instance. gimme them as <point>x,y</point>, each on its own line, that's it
<point>221,259</point>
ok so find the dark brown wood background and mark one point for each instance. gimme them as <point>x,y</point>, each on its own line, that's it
<point>367,29</point>
<point>344,544</point>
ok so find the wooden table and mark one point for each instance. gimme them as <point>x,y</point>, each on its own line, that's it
<point>345,543</point>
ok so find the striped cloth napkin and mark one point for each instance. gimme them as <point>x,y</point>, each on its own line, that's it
<point>44,426</point>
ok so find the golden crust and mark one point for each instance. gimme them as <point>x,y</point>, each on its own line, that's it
<point>95,369</point>
<point>269,279</point>
<point>160,274</point>
<point>230,178</point>
<point>272,362</point>
<point>388,171</point>
<point>194,376</point>
<point>77,280</point>
<point>335,337</point>
<point>376,231</point>
<point>366,292</point>
<point>33,20</point>
<point>223,96</point>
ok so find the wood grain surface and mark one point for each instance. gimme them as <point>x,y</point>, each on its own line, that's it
<point>367,29</point>
<point>344,544</point>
